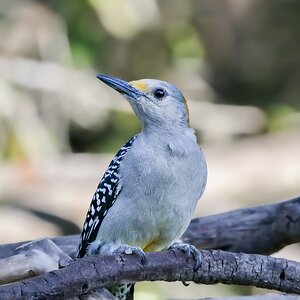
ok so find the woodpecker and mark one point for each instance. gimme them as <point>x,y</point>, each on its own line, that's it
<point>149,192</point>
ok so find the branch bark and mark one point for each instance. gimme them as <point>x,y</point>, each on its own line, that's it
<point>84,275</point>
<point>32,259</point>
<point>263,230</point>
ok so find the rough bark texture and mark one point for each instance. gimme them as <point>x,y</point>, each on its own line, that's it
<point>68,244</point>
<point>32,259</point>
<point>263,230</point>
<point>83,275</point>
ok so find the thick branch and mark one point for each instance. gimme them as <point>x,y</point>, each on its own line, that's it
<point>86,274</point>
<point>262,229</point>
<point>32,259</point>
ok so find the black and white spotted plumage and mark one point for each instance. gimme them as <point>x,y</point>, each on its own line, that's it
<point>146,200</point>
<point>104,197</point>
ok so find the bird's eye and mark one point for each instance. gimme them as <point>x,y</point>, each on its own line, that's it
<point>159,93</point>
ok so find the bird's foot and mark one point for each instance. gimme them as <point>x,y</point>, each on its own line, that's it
<point>189,250</point>
<point>100,247</point>
<point>126,249</point>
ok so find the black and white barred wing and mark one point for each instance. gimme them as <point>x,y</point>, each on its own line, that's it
<point>104,197</point>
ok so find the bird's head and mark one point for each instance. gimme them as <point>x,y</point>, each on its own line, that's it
<point>155,102</point>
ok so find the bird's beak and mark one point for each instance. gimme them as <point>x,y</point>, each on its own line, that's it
<point>121,86</point>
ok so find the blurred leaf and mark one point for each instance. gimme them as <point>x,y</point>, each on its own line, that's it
<point>81,54</point>
<point>13,149</point>
<point>184,42</point>
<point>278,115</point>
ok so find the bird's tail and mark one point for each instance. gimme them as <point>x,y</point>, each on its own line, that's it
<point>123,291</point>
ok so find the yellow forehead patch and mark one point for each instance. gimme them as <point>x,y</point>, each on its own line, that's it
<point>139,85</point>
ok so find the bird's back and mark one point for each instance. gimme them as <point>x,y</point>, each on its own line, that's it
<point>106,194</point>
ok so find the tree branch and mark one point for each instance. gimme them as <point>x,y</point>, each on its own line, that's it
<point>263,230</point>
<point>32,259</point>
<point>84,275</point>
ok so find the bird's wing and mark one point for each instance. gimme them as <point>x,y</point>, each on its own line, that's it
<point>104,197</point>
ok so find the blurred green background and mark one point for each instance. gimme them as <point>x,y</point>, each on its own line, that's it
<point>237,62</point>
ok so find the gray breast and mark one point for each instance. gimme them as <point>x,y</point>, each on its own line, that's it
<point>159,192</point>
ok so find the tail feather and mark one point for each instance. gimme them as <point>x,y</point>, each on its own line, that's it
<point>122,291</point>
<point>130,293</point>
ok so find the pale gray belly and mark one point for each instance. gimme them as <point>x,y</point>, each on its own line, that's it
<point>155,205</point>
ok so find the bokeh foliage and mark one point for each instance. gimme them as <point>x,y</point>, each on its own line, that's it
<point>246,51</point>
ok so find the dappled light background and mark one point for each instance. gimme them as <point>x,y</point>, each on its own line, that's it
<point>237,63</point>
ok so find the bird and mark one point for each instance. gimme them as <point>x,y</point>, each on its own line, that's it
<point>149,192</point>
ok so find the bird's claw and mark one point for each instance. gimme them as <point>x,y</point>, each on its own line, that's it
<point>126,249</point>
<point>189,250</point>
